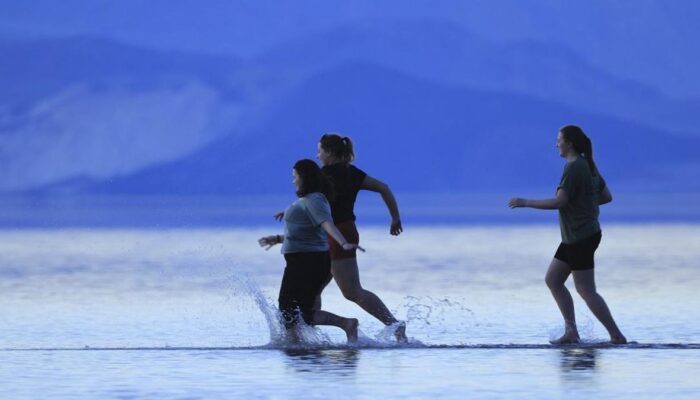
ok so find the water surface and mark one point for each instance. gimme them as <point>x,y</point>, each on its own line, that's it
<point>183,313</point>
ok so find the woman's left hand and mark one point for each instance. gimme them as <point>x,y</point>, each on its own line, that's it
<point>516,202</point>
<point>350,246</point>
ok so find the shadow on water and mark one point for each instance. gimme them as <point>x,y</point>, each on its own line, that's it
<point>575,361</point>
<point>338,361</point>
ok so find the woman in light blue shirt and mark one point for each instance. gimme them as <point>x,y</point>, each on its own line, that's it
<point>307,222</point>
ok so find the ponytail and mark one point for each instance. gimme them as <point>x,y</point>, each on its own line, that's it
<point>340,147</point>
<point>582,144</point>
<point>588,155</point>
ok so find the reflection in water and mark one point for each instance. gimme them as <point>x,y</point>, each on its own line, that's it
<point>574,361</point>
<point>337,361</point>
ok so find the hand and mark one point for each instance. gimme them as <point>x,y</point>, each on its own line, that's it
<point>268,241</point>
<point>350,246</point>
<point>517,202</point>
<point>279,215</point>
<point>396,228</point>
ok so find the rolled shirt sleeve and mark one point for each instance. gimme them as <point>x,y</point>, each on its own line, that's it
<point>571,180</point>
<point>318,207</point>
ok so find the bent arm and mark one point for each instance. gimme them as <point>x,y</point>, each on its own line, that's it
<point>382,188</point>
<point>560,201</point>
<point>605,197</point>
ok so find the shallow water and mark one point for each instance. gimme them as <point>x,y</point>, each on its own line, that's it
<point>99,313</point>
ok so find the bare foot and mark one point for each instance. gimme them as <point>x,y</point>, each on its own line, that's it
<point>567,338</point>
<point>350,328</point>
<point>400,332</point>
<point>293,336</point>
<point>621,339</point>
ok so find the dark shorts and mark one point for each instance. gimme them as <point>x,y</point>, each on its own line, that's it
<point>349,231</point>
<point>304,278</point>
<point>579,255</point>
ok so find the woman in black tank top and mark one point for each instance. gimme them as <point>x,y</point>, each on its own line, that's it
<point>336,154</point>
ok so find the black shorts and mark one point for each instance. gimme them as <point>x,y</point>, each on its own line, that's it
<point>304,278</point>
<point>579,255</point>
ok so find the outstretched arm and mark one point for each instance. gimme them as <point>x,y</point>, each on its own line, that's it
<point>382,188</point>
<point>560,201</point>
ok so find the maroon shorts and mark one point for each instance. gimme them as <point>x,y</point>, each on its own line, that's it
<point>349,230</point>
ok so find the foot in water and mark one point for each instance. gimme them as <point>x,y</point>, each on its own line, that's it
<point>621,339</point>
<point>292,336</point>
<point>569,337</point>
<point>350,328</point>
<point>400,332</point>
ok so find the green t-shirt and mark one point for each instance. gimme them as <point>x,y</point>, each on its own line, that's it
<point>579,219</point>
<point>302,224</point>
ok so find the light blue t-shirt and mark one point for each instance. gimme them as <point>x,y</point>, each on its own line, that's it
<point>302,224</point>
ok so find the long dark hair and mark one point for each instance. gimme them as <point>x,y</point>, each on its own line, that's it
<point>582,144</point>
<point>340,147</point>
<point>313,179</point>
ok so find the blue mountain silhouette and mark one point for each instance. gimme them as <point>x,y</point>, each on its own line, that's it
<point>431,108</point>
<point>421,137</point>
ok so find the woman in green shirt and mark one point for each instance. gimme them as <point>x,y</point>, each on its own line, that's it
<point>580,192</point>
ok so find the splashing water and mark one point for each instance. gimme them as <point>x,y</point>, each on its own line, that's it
<point>303,336</point>
<point>273,318</point>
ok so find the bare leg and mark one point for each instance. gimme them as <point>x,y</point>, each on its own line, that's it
<point>318,303</point>
<point>349,325</point>
<point>557,274</point>
<point>347,276</point>
<point>585,286</point>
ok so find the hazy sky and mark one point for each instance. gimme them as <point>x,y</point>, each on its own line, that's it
<point>651,41</point>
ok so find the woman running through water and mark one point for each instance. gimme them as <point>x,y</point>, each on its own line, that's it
<point>580,192</point>
<point>305,249</point>
<point>336,154</point>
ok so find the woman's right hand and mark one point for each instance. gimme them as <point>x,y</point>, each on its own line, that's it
<point>269,241</point>
<point>279,215</point>
<point>396,228</point>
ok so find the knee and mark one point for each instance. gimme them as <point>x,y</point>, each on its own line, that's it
<point>353,295</point>
<point>586,292</point>
<point>553,283</point>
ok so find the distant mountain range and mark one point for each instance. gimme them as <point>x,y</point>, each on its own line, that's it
<point>432,108</point>
<point>422,138</point>
<point>445,53</point>
<point>89,107</point>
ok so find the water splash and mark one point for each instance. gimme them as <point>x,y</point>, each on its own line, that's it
<point>585,326</point>
<point>273,318</point>
<point>303,336</point>
<point>427,310</point>
<point>434,319</point>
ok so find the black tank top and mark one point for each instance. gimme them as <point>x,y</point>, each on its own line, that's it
<point>347,181</point>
